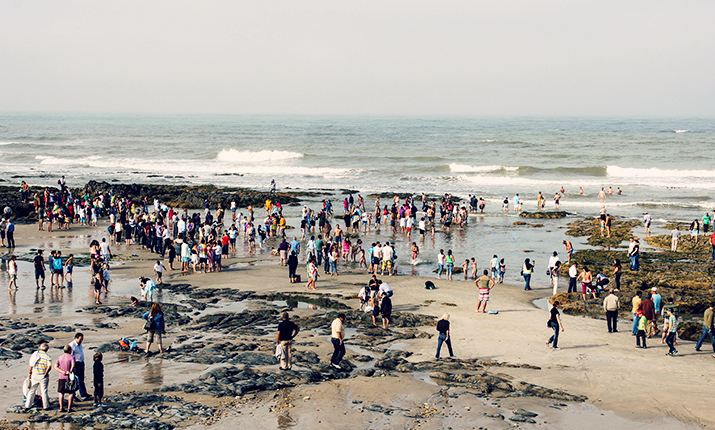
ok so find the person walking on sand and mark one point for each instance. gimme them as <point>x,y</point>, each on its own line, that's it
<point>636,306</point>
<point>287,331</point>
<point>443,329</point>
<point>312,274</point>
<point>671,327</point>
<point>611,305</point>
<point>555,323</point>
<point>707,329</point>
<point>337,337</point>
<point>485,285</point>
<point>674,236</point>
<point>555,277</point>
<point>12,273</point>
<point>40,367</point>
<point>526,271</point>
<point>157,326</point>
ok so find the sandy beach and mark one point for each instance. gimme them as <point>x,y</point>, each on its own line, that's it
<point>623,386</point>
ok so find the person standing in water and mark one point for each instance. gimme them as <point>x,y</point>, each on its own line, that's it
<point>485,285</point>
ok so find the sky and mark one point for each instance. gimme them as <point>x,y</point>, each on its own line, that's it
<point>500,57</point>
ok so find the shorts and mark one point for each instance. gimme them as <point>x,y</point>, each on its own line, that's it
<point>13,278</point>
<point>39,274</point>
<point>232,241</point>
<point>375,261</point>
<point>386,316</point>
<point>61,387</point>
<point>203,260</point>
<point>185,259</point>
<point>158,274</point>
<point>422,232</point>
<point>151,334</point>
<point>69,270</point>
<point>283,254</point>
<point>483,295</point>
<point>586,286</point>
<point>386,265</point>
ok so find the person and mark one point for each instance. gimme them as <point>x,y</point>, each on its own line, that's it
<point>636,305</point>
<point>384,288</point>
<point>283,250</point>
<point>569,249</point>
<point>79,368</point>
<point>98,381</point>
<point>607,224</point>
<point>642,329</point>
<point>441,258</point>
<point>671,327</point>
<point>712,244</point>
<point>104,251</point>
<point>707,219</point>
<point>40,367</point>
<point>587,283</point>
<point>12,273</point>
<point>287,331</point>
<point>633,254</point>
<point>65,366</point>
<point>707,329</point>
<point>312,274</point>
<point>555,324</point>
<point>385,310</point>
<point>449,264</point>
<point>159,271</point>
<point>292,266</point>
<point>526,272</point>
<point>695,230</point>
<point>611,305</point>
<point>443,329</point>
<point>39,263</point>
<point>573,275</point>
<point>147,288</point>
<point>555,277</point>
<point>657,303</point>
<point>157,326</point>
<point>337,338</point>
<point>647,220</point>
<point>617,272</point>
<point>675,235</point>
<point>485,285</point>
<point>648,309</point>
<point>10,232</point>
<point>494,266</point>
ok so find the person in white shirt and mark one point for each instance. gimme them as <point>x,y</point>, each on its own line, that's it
<point>573,275</point>
<point>385,288</point>
<point>78,353</point>
<point>104,250</point>
<point>387,254</point>
<point>158,271</point>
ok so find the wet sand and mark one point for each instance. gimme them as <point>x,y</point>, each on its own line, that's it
<point>624,386</point>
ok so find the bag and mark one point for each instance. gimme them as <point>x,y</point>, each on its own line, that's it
<point>429,285</point>
<point>72,383</point>
<point>148,325</point>
<point>548,272</point>
<point>297,278</point>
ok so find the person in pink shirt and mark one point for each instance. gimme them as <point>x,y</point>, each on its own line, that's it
<point>64,366</point>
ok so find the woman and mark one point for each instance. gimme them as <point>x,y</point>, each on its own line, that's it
<point>555,323</point>
<point>312,274</point>
<point>443,329</point>
<point>157,326</point>
<point>485,284</point>
<point>617,272</point>
<point>64,366</point>
<point>695,230</point>
<point>292,266</point>
<point>555,277</point>
<point>449,264</point>
<point>526,271</point>
<point>440,263</point>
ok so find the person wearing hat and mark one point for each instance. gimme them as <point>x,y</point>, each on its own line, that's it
<point>611,305</point>
<point>642,328</point>
<point>657,303</point>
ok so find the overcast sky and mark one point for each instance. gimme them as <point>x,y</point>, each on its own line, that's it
<point>540,57</point>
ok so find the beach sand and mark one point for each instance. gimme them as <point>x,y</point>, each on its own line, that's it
<point>624,386</point>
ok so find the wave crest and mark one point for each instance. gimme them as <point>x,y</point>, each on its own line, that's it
<point>234,156</point>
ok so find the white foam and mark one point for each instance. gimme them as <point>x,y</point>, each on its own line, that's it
<point>677,130</point>
<point>653,172</point>
<point>465,168</point>
<point>232,155</point>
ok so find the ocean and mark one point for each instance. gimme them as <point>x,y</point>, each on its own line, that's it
<point>663,165</point>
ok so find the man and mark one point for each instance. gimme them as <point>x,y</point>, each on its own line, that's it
<point>385,289</point>
<point>569,249</point>
<point>636,302</point>
<point>78,353</point>
<point>283,251</point>
<point>337,337</point>
<point>647,220</point>
<point>40,366</point>
<point>675,235</point>
<point>287,330</point>
<point>707,329</point>
<point>10,231</point>
<point>671,327</point>
<point>104,250</point>
<point>648,308</point>
<point>295,246</point>
<point>611,305</point>
<point>657,303</point>
<point>494,266</point>
<point>712,244</point>
<point>39,263</point>
<point>387,253</point>
<point>385,310</point>
<point>633,252</point>
<point>573,275</point>
<point>706,222</point>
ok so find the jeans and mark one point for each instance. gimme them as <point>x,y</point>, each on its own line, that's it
<point>79,372</point>
<point>320,258</point>
<point>635,324</point>
<point>618,280</point>
<point>326,267</point>
<point>10,239</point>
<point>450,267</point>
<point>527,279</point>
<point>555,338</point>
<point>706,332</point>
<point>443,338</point>
<point>333,267</point>
<point>440,267</point>
<point>339,351</point>
<point>670,340</point>
<point>572,285</point>
<point>640,336</point>
<point>612,320</point>
<point>635,265</point>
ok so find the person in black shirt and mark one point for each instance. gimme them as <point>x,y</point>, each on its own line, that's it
<point>374,285</point>
<point>443,329</point>
<point>98,371</point>
<point>39,263</point>
<point>287,330</point>
<point>555,323</point>
<point>292,266</point>
<point>385,310</point>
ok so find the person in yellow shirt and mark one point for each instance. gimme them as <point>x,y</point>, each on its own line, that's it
<point>636,302</point>
<point>337,338</point>
<point>642,329</point>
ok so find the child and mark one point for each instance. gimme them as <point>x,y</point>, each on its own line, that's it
<point>642,329</point>
<point>465,268</point>
<point>98,380</point>
<point>107,277</point>
<point>158,271</point>
<point>97,284</point>
<point>69,265</point>
<point>474,268</point>
<point>502,270</point>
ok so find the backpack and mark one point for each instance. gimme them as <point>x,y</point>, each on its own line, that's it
<point>429,285</point>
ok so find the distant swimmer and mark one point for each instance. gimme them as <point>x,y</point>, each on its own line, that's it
<point>618,191</point>
<point>505,204</point>
<point>557,200</point>
<point>580,190</point>
<point>647,219</point>
<point>602,195</point>
<point>610,191</point>
<point>562,191</point>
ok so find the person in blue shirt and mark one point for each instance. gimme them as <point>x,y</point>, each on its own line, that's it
<point>295,246</point>
<point>658,303</point>
<point>156,328</point>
